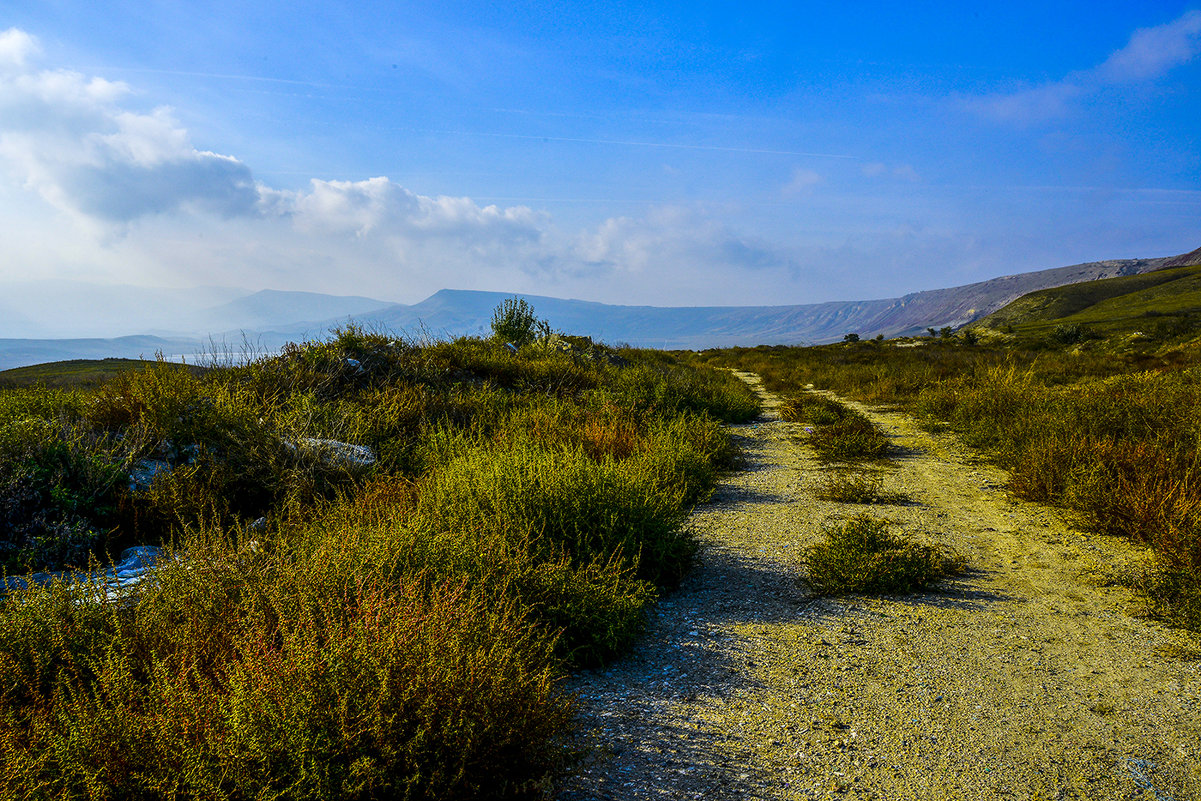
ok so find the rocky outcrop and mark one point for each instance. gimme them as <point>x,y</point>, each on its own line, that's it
<point>119,581</point>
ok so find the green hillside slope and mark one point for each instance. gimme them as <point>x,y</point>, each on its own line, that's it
<point>1159,303</point>
<point>74,373</point>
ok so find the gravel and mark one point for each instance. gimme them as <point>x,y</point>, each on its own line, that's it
<point>1031,675</point>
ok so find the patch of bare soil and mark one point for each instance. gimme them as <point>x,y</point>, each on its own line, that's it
<point>1029,676</point>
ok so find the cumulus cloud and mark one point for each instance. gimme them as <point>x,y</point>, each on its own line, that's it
<point>68,137</point>
<point>1150,54</point>
<point>148,196</point>
<point>16,48</point>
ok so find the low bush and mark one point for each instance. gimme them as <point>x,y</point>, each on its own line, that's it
<point>815,409</point>
<point>864,556</point>
<point>236,681</point>
<point>59,487</point>
<point>567,502</point>
<point>852,438</point>
<point>848,486</point>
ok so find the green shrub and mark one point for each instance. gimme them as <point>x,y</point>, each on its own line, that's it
<point>660,388</point>
<point>569,502</point>
<point>862,555</point>
<point>59,486</point>
<point>1176,594</point>
<point>591,609</point>
<point>846,486</point>
<point>515,321</point>
<point>852,438</point>
<point>231,683</point>
<point>815,409</point>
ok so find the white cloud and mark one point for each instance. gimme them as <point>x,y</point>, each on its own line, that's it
<point>1150,54</point>
<point>129,193</point>
<point>16,47</point>
<point>67,137</point>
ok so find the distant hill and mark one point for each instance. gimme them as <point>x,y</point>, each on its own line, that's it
<point>185,323</point>
<point>465,312</point>
<point>1163,301</point>
<point>272,308</point>
<point>22,352</point>
<point>1184,260</point>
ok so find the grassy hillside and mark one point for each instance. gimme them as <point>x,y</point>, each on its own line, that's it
<point>1159,304</point>
<point>74,373</point>
<point>393,625</point>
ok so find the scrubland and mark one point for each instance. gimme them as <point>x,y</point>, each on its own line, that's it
<point>326,629</point>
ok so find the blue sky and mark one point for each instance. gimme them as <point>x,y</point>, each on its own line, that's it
<point>662,153</point>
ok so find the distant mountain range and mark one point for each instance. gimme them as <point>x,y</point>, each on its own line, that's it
<point>181,322</point>
<point>458,312</point>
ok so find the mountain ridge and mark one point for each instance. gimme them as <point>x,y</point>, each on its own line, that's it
<point>262,321</point>
<point>458,312</point>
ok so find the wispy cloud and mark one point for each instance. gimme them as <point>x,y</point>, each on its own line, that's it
<point>640,143</point>
<point>1150,54</point>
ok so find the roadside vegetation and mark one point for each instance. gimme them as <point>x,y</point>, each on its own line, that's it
<point>1104,426</point>
<point>382,558</point>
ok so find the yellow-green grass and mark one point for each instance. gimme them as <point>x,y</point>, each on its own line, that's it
<point>1155,304</point>
<point>75,372</point>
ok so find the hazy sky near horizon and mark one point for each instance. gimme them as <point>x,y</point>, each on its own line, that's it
<point>649,152</point>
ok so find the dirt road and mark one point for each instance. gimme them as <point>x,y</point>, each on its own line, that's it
<point>1029,676</point>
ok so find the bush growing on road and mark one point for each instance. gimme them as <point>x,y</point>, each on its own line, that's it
<point>852,438</point>
<point>863,555</point>
<point>850,486</point>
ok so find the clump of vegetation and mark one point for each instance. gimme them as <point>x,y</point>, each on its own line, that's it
<point>839,433</point>
<point>863,556</point>
<point>857,486</point>
<point>240,678</point>
<point>853,438</point>
<point>514,321</point>
<point>812,408</point>
<point>391,627</point>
